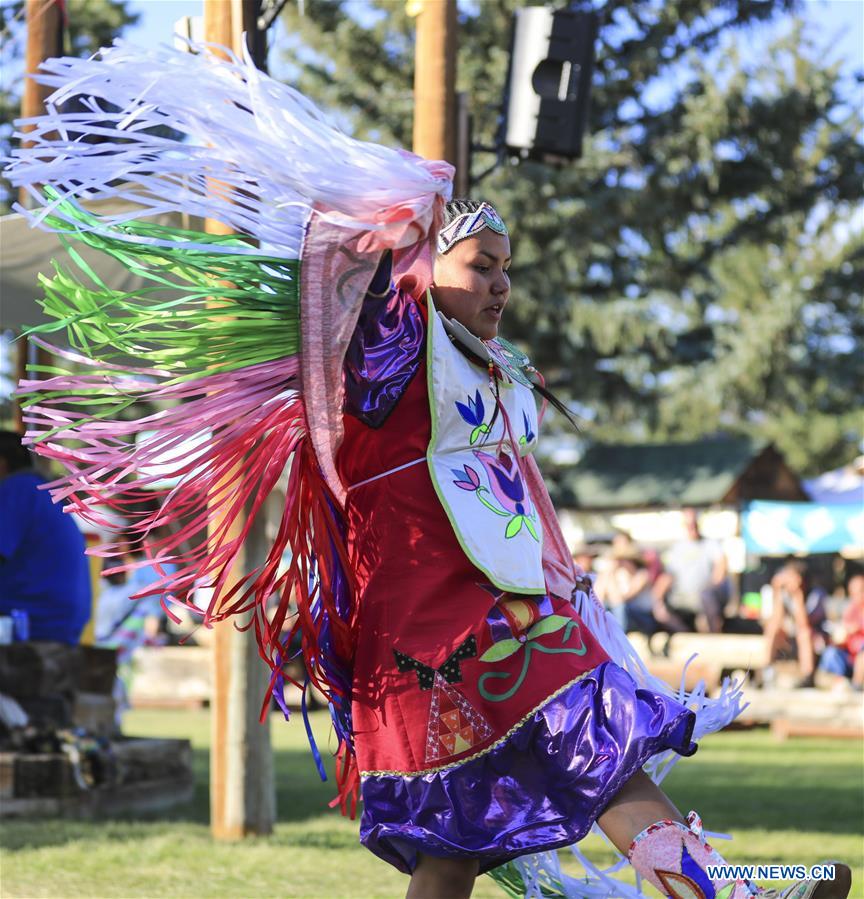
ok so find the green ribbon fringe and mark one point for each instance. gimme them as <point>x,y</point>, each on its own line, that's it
<point>509,878</point>
<point>204,311</point>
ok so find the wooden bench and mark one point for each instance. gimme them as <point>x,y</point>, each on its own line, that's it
<point>182,677</point>
<point>820,708</point>
<point>713,656</point>
<point>784,728</point>
<point>171,677</point>
<point>149,775</point>
<point>729,651</point>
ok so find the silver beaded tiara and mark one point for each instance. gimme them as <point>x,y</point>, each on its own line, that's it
<point>469,224</point>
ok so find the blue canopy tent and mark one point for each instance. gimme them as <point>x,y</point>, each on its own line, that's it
<point>778,528</point>
<point>839,487</point>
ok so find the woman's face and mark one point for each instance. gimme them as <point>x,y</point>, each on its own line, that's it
<point>471,283</point>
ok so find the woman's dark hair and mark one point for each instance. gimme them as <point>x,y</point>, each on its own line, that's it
<point>455,208</point>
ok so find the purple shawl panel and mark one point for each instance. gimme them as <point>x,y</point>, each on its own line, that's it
<point>383,356</point>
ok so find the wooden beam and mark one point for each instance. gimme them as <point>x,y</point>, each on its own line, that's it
<point>242,797</point>
<point>22,350</point>
<point>44,20</point>
<point>435,81</point>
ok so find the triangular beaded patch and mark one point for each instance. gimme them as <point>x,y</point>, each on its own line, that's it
<point>454,724</point>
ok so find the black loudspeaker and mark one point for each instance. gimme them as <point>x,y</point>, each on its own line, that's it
<point>551,62</point>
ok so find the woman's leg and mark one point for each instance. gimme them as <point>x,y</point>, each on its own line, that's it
<point>806,653</point>
<point>442,878</point>
<point>637,805</point>
<point>673,855</point>
<point>835,660</point>
<point>775,634</point>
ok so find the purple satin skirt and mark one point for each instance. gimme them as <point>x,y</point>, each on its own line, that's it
<point>541,789</point>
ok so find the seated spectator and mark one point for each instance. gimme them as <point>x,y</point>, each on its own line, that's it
<point>845,657</point>
<point>43,568</point>
<point>624,586</point>
<point>124,622</point>
<point>696,576</point>
<point>798,612</point>
<point>667,620</point>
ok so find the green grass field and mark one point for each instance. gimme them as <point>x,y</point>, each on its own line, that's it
<point>801,801</point>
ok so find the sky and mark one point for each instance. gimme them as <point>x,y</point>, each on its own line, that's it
<point>837,25</point>
<point>840,21</point>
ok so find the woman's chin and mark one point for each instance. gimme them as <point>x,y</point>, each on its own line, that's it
<point>485,327</point>
<point>486,331</point>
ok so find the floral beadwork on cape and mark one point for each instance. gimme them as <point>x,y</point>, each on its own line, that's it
<point>473,412</point>
<point>528,436</point>
<point>505,494</point>
<point>519,612</point>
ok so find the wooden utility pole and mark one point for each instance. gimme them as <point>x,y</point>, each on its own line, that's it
<point>435,80</point>
<point>242,797</point>
<point>44,24</point>
<point>44,20</point>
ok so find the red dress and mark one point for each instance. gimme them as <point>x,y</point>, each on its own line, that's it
<point>421,597</point>
<point>486,724</point>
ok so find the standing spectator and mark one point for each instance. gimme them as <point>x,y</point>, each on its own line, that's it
<point>144,578</point>
<point>125,622</point>
<point>118,620</point>
<point>798,612</point>
<point>43,568</point>
<point>697,579</point>
<point>845,657</point>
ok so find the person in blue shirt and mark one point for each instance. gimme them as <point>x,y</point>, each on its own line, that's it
<point>43,568</point>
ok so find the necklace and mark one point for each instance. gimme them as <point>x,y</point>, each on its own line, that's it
<point>510,360</point>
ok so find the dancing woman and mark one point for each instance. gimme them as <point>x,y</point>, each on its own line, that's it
<point>486,708</point>
<point>488,721</point>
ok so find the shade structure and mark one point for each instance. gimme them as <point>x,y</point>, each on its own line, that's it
<point>25,252</point>
<point>721,470</point>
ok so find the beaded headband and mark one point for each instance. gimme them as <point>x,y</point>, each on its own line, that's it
<point>468,225</point>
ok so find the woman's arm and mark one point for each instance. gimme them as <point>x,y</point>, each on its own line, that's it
<point>385,349</point>
<point>382,281</point>
<point>635,584</point>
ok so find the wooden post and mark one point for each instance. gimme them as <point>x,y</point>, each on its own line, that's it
<point>44,40</point>
<point>435,81</point>
<point>462,180</point>
<point>22,352</point>
<point>242,798</point>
